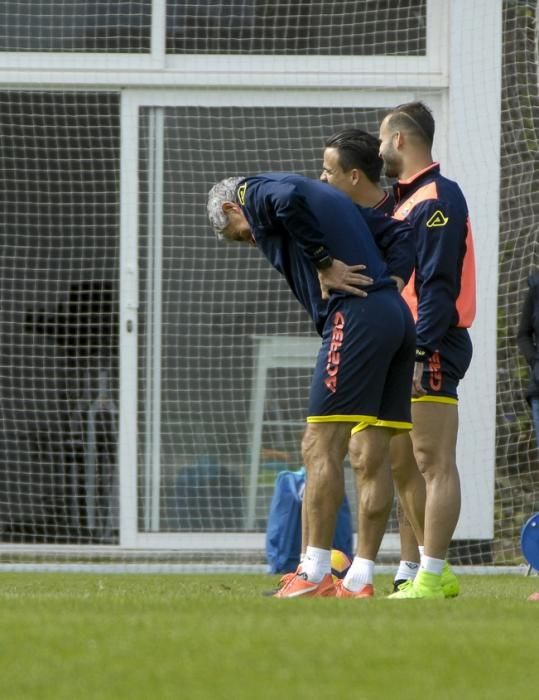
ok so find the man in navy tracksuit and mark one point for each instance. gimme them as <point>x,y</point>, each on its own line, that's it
<point>441,296</point>
<point>361,382</point>
<point>352,163</point>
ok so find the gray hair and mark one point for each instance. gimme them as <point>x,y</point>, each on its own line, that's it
<point>223,191</point>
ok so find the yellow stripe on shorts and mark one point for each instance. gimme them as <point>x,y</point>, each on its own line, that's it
<point>396,425</point>
<point>342,419</point>
<point>436,399</point>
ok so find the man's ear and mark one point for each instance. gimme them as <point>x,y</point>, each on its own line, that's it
<point>229,206</point>
<point>356,176</point>
<point>398,137</point>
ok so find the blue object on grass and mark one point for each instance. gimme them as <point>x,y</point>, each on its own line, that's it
<point>529,541</point>
<point>283,535</point>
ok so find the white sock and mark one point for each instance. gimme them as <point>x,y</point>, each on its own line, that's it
<point>301,557</point>
<point>406,570</point>
<point>421,550</point>
<point>316,563</point>
<point>432,565</point>
<point>360,573</point>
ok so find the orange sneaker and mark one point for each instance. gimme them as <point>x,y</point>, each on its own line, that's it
<point>299,585</point>
<point>366,591</point>
<point>285,578</point>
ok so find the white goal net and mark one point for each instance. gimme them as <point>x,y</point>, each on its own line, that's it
<point>153,381</point>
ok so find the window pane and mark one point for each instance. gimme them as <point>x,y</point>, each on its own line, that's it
<point>59,197</point>
<point>297,27</point>
<point>114,26</point>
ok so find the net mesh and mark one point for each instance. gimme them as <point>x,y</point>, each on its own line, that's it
<point>110,26</point>
<point>208,312</point>
<point>59,170</point>
<point>322,27</point>
<point>225,300</point>
<point>517,465</point>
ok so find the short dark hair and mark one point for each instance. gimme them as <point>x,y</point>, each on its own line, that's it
<point>416,118</point>
<point>357,149</point>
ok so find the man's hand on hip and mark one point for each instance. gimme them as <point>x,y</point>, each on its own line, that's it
<point>343,278</point>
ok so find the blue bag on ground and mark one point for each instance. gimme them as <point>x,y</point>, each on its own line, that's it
<point>283,536</point>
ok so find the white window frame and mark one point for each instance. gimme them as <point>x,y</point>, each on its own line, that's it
<point>132,102</point>
<point>159,69</point>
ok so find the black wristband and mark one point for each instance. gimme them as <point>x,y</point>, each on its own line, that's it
<point>320,257</point>
<point>420,355</point>
<point>323,263</point>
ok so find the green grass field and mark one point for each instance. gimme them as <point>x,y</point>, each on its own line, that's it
<point>78,636</point>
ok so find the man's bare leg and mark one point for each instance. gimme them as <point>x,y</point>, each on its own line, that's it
<point>411,488</point>
<point>409,550</point>
<point>434,439</point>
<point>374,486</point>
<point>324,448</point>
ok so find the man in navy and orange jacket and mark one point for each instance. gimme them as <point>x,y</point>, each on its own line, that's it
<point>441,296</point>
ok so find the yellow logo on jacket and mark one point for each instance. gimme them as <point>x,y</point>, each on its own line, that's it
<point>241,193</point>
<point>437,220</point>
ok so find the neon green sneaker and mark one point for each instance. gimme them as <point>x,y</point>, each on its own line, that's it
<point>450,583</point>
<point>403,585</point>
<point>425,585</point>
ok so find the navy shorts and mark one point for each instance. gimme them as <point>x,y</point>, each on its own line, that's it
<point>363,374</point>
<point>447,367</point>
